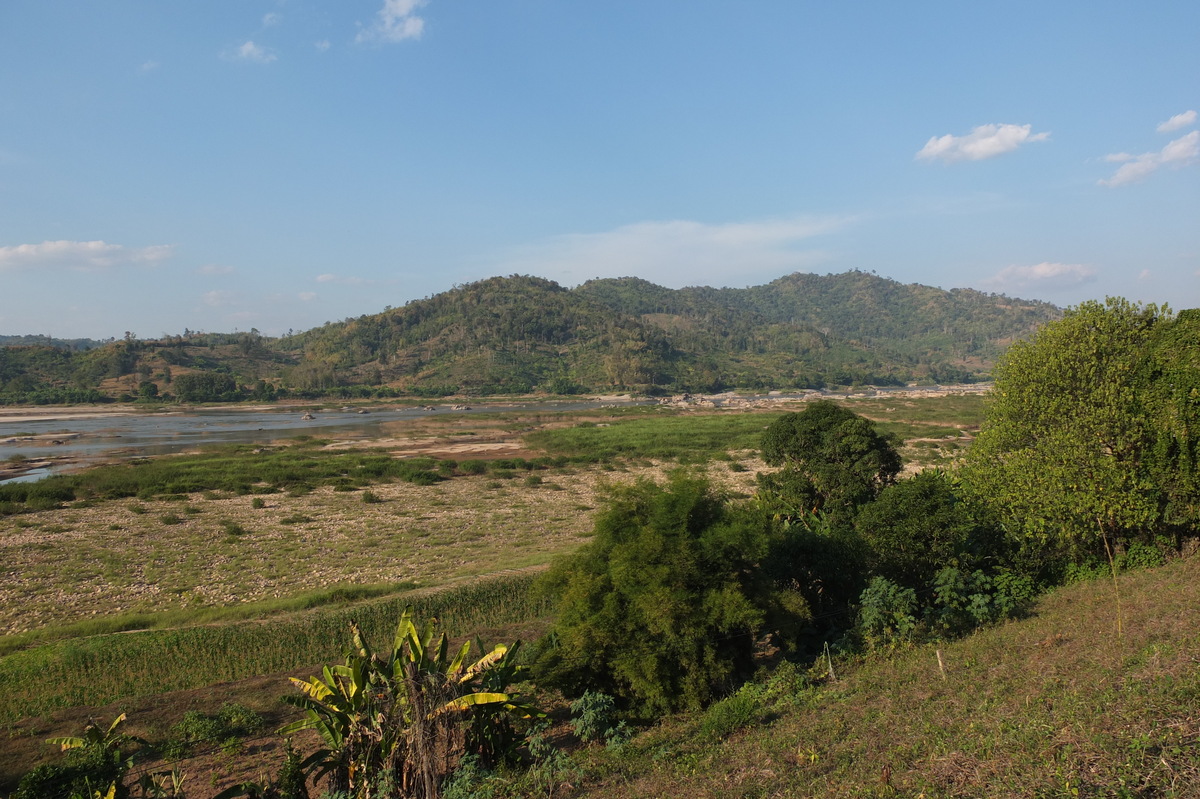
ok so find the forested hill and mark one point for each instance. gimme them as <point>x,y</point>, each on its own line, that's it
<point>519,334</point>
<point>959,325</point>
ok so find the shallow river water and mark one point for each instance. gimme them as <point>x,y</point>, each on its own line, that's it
<point>106,436</point>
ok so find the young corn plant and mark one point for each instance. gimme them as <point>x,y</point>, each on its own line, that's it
<point>395,723</point>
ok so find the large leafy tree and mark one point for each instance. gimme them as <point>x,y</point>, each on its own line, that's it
<point>664,607</point>
<point>832,460</point>
<point>1089,438</point>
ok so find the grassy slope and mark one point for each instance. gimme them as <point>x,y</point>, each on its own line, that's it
<point>1055,705</point>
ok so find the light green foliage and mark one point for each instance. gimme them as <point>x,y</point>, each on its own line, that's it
<point>594,718</point>
<point>963,601</point>
<point>662,609</point>
<point>399,715</point>
<point>832,459</point>
<point>1089,440</point>
<point>735,712</point>
<point>887,613</point>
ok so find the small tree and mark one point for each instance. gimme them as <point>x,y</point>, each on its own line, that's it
<point>396,723</point>
<point>832,458</point>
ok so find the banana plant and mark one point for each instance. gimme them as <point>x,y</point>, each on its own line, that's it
<point>401,715</point>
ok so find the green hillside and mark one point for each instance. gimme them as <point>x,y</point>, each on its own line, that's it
<point>520,334</point>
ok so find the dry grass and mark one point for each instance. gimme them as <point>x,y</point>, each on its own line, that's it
<point>127,556</point>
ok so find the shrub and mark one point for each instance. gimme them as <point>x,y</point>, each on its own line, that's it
<point>257,503</point>
<point>734,712</point>
<point>595,719</point>
<point>887,613</point>
<point>663,608</point>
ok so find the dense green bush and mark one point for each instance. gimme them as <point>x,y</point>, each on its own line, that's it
<point>664,607</point>
<point>920,525</point>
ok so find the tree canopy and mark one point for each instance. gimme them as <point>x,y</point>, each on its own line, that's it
<point>832,458</point>
<point>1090,438</point>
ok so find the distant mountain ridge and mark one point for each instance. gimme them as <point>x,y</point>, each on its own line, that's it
<point>520,334</point>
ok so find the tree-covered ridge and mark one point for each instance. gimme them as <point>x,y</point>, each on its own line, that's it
<point>74,344</point>
<point>519,334</point>
<point>907,320</point>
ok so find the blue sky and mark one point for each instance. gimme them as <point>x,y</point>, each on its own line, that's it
<point>276,164</point>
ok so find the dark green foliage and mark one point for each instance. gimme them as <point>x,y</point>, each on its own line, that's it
<point>832,459</point>
<point>94,763</point>
<point>201,731</point>
<point>206,387</point>
<point>517,334</point>
<point>80,775</point>
<point>663,608</point>
<point>920,525</point>
<point>963,601</point>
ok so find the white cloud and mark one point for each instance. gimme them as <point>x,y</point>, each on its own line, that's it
<point>79,255</point>
<point>215,269</point>
<point>148,66</point>
<point>307,296</point>
<point>322,45</point>
<point>1178,122</point>
<point>249,51</point>
<point>343,279</point>
<point>394,22</point>
<point>217,299</point>
<point>1042,276</point>
<point>985,141</point>
<point>679,253</point>
<point>1145,274</point>
<point>1177,154</point>
<point>272,19</point>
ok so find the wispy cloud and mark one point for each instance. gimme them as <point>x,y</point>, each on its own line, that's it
<point>322,45</point>
<point>1178,122</point>
<point>272,19</point>
<point>1046,276</point>
<point>343,279</point>
<point>394,22</point>
<point>1177,154</point>
<point>148,66</point>
<point>680,253</point>
<point>985,141</point>
<point>218,299</point>
<point>251,53</point>
<point>79,255</point>
<point>215,269</point>
<point>307,296</point>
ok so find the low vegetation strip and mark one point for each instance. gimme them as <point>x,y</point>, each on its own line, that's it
<point>101,669</point>
<point>696,437</point>
<point>1056,705</point>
